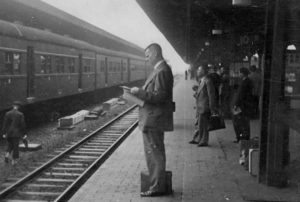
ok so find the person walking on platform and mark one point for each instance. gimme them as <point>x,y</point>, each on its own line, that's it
<point>13,129</point>
<point>224,92</point>
<point>206,105</point>
<point>256,79</point>
<point>156,117</point>
<point>242,107</point>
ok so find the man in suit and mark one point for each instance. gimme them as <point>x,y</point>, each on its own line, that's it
<point>256,79</point>
<point>242,107</point>
<point>206,105</point>
<point>155,117</point>
<point>13,129</point>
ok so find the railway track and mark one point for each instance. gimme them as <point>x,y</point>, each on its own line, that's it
<point>60,177</point>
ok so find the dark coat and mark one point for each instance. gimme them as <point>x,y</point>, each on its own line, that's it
<point>244,98</point>
<point>205,96</point>
<point>216,80</point>
<point>14,124</point>
<point>157,112</point>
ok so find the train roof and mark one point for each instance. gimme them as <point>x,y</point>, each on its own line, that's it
<point>37,14</point>
<point>19,31</point>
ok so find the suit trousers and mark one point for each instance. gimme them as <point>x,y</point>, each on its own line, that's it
<point>241,125</point>
<point>13,146</point>
<point>154,149</point>
<point>201,135</point>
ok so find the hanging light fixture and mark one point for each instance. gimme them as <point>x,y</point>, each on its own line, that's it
<point>291,47</point>
<point>241,2</point>
<point>218,27</point>
<point>217,31</point>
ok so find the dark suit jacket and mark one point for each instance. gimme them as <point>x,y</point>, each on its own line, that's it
<point>205,96</point>
<point>157,112</point>
<point>14,124</point>
<point>216,80</point>
<point>244,98</point>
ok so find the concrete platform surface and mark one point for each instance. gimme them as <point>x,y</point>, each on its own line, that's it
<point>208,174</point>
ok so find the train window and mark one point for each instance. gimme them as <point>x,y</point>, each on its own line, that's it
<point>17,63</point>
<point>8,63</point>
<point>114,66</point>
<point>118,67</point>
<point>12,63</point>
<point>60,64</point>
<point>102,67</point>
<point>71,65</point>
<point>110,66</point>
<point>45,64</point>
<point>132,67</point>
<point>124,67</point>
<point>87,65</point>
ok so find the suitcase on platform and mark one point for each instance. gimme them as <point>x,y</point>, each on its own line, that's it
<point>145,184</point>
<point>253,161</point>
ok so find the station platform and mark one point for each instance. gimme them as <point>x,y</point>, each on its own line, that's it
<point>202,174</point>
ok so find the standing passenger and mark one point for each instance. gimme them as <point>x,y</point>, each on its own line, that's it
<point>206,105</point>
<point>13,129</point>
<point>195,134</point>
<point>242,107</point>
<point>216,80</point>
<point>155,117</point>
<point>224,92</point>
<point>256,79</point>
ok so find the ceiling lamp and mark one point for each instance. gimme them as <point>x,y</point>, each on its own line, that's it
<point>217,31</point>
<point>291,47</point>
<point>241,2</point>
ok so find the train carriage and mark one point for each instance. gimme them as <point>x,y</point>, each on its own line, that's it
<point>37,65</point>
<point>137,69</point>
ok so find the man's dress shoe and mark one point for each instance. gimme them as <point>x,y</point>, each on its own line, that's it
<point>151,193</point>
<point>203,145</point>
<point>193,142</point>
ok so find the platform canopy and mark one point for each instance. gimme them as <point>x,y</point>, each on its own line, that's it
<point>209,30</point>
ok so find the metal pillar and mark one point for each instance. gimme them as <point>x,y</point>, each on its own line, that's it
<point>273,132</point>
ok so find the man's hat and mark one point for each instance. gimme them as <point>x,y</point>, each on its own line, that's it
<point>17,103</point>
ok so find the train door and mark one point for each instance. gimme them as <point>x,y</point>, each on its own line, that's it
<point>96,72</point>
<point>128,70</point>
<point>122,71</point>
<point>30,71</point>
<point>80,71</point>
<point>106,71</point>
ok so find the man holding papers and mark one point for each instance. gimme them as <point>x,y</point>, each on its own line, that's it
<point>156,117</point>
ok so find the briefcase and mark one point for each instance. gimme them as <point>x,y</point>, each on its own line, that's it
<point>145,183</point>
<point>216,122</point>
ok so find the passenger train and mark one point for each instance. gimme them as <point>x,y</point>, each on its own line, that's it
<point>38,65</point>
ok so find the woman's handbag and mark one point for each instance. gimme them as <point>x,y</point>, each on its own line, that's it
<point>216,122</point>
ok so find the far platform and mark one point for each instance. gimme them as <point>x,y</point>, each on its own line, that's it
<point>208,174</point>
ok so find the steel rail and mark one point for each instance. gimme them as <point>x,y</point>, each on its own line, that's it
<point>75,185</point>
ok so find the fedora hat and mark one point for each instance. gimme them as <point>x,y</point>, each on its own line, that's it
<point>18,103</point>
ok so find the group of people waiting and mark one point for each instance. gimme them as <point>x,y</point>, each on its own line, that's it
<point>214,95</point>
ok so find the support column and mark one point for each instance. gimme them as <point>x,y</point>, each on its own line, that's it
<point>273,132</point>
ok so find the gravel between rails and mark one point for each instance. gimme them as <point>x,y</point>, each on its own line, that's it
<point>51,140</point>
